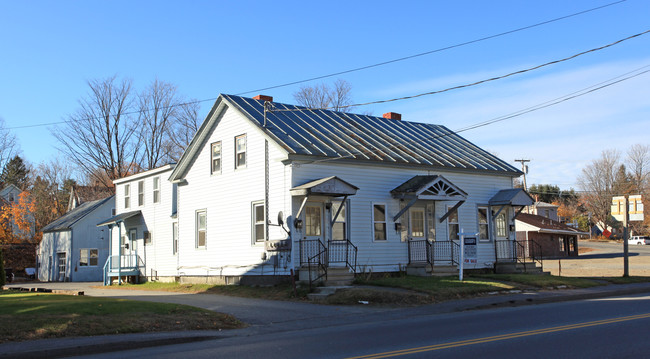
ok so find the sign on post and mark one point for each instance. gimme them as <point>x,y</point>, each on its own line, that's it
<point>635,208</point>
<point>470,250</point>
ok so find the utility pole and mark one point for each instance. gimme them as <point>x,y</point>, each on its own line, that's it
<point>524,169</point>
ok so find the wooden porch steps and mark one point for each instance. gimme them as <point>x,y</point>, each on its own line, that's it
<point>511,267</point>
<point>426,270</point>
<point>339,276</point>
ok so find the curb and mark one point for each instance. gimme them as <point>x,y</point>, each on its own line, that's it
<point>107,347</point>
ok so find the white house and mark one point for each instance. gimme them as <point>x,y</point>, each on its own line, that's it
<point>73,248</point>
<point>267,189</point>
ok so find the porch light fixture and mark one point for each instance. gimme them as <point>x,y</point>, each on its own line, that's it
<point>297,223</point>
<point>398,226</point>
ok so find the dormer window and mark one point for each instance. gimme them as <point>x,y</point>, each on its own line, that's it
<point>240,151</point>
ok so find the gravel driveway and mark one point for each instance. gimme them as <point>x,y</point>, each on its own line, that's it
<point>604,260</point>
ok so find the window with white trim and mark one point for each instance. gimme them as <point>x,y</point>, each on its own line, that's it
<point>148,237</point>
<point>140,193</point>
<point>483,224</point>
<point>379,222</point>
<point>340,226</point>
<point>88,257</point>
<point>127,196</point>
<point>453,225</point>
<point>258,222</point>
<point>215,158</point>
<point>201,227</point>
<point>240,151</point>
<point>174,237</point>
<point>156,189</point>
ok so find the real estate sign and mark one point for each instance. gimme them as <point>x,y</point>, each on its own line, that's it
<point>634,208</point>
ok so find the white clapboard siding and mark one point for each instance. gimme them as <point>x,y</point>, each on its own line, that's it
<point>227,197</point>
<point>156,219</point>
<point>375,184</point>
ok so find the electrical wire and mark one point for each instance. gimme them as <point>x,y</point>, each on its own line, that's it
<point>431,51</point>
<point>473,83</point>
<point>346,71</point>
<point>604,84</point>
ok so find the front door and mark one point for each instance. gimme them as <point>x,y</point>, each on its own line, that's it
<point>314,231</point>
<point>314,222</point>
<point>506,250</point>
<point>133,246</point>
<point>417,223</point>
<point>61,266</point>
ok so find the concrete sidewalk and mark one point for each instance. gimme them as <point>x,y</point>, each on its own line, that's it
<point>266,316</point>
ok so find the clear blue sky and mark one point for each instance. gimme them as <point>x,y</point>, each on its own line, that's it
<point>49,49</point>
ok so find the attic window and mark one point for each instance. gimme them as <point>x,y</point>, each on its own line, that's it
<point>127,195</point>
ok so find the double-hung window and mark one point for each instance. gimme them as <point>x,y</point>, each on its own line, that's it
<point>453,225</point>
<point>201,226</point>
<point>174,237</point>
<point>88,257</point>
<point>258,222</point>
<point>127,196</point>
<point>156,189</point>
<point>340,226</point>
<point>141,193</point>
<point>379,221</point>
<point>215,163</point>
<point>483,227</point>
<point>240,151</point>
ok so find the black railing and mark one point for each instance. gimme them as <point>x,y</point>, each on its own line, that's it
<point>420,252</point>
<point>343,252</point>
<point>523,252</point>
<point>313,253</point>
<point>446,252</point>
<point>433,253</point>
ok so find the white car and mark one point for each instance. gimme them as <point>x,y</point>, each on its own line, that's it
<point>639,240</point>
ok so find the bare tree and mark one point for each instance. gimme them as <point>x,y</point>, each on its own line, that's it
<point>8,145</point>
<point>185,126</point>
<point>101,133</point>
<point>157,117</point>
<point>638,164</point>
<point>598,180</point>
<point>338,97</point>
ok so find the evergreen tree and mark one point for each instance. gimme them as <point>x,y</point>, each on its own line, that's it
<point>15,172</point>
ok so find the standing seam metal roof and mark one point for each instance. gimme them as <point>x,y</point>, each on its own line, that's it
<point>69,219</point>
<point>332,134</point>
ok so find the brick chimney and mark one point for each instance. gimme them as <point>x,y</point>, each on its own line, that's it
<point>393,116</point>
<point>263,98</point>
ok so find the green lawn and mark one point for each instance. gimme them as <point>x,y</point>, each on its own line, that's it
<point>25,316</point>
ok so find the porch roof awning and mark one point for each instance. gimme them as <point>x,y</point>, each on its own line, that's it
<point>512,197</point>
<point>328,186</point>
<point>119,218</point>
<point>430,187</point>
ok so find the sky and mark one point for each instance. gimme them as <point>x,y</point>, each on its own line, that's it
<point>49,50</point>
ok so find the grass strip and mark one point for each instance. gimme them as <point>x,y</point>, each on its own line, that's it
<point>27,316</point>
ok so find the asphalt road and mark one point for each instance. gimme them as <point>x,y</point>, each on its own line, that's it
<point>596,328</point>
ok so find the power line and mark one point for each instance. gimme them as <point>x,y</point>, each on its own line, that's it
<point>354,69</point>
<point>431,51</point>
<point>615,80</point>
<point>476,82</point>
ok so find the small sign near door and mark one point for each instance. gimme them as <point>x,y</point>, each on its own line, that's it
<point>470,255</point>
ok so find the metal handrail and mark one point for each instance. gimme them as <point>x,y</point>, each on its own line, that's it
<point>519,251</point>
<point>343,251</point>
<point>420,251</point>
<point>321,267</point>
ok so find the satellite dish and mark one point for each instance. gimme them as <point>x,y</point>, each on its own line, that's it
<point>280,220</point>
